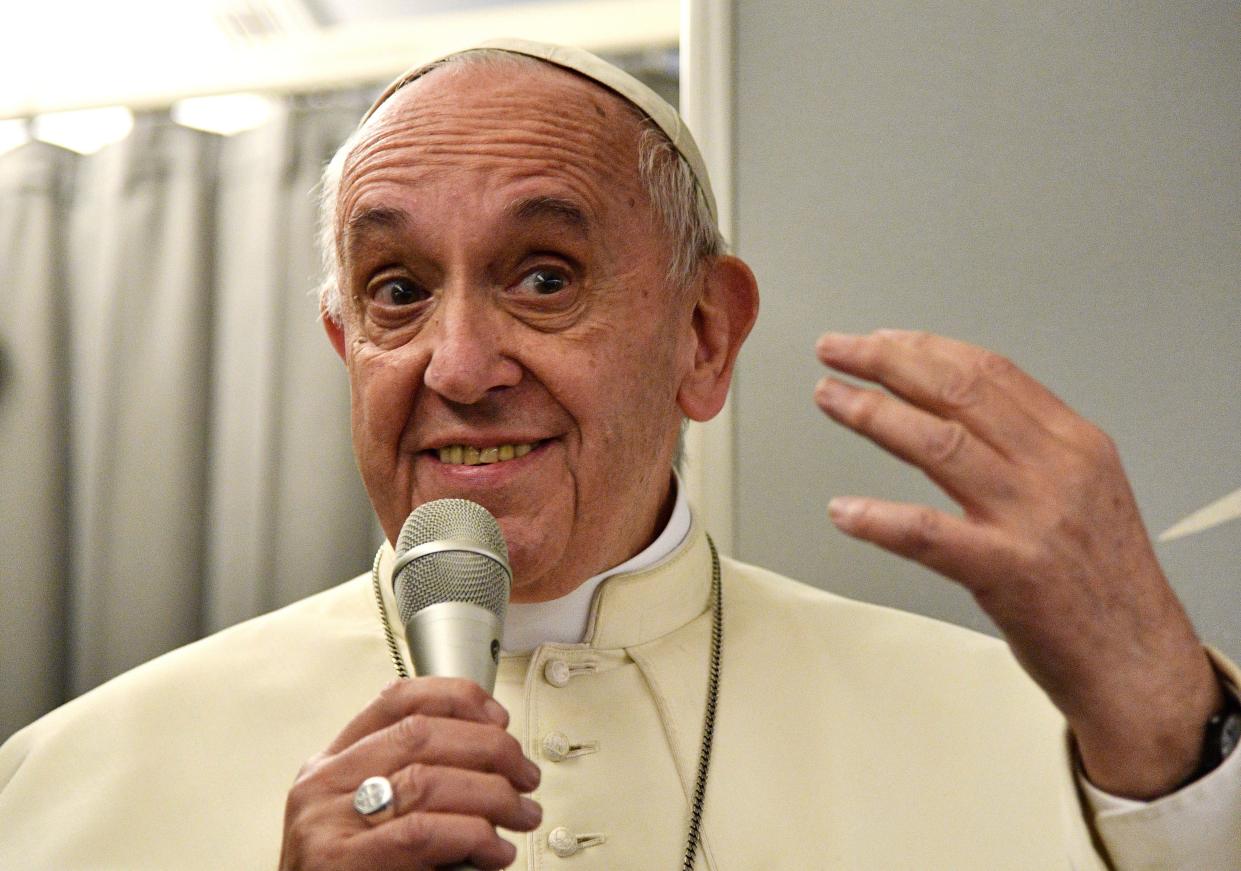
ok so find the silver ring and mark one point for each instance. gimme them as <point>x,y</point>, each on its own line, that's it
<point>373,798</point>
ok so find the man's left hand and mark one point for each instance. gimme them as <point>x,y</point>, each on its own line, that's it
<point>1050,543</point>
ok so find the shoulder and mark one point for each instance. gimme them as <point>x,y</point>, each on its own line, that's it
<point>887,648</point>
<point>203,740</point>
<point>756,589</point>
<point>257,662</point>
<point>927,727</point>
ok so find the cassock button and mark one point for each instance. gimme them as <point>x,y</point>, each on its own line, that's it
<point>556,672</point>
<point>556,746</point>
<point>564,843</point>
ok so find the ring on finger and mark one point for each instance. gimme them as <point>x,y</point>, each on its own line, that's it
<point>374,799</point>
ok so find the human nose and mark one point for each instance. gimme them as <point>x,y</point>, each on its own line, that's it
<point>467,355</point>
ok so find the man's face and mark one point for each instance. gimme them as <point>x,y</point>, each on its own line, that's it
<point>506,296</point>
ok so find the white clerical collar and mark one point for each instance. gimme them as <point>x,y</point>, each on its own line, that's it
<point>563,620</point>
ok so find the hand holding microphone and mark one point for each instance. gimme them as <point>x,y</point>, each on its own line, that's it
<point>438,738</point>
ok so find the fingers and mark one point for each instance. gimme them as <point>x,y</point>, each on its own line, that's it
<point>429,696</point>
<point>950,545</point>
<point>418,841</point>
<point>456,775</point>
<point>422,788</point>
<point>972,422</point>
<point>997,401</point>
<point>968,469</point>
<point>429,740</point>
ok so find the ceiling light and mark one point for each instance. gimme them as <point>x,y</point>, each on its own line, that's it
<point>84,131</point>
<point>13,133</point>
<point>225,114</point>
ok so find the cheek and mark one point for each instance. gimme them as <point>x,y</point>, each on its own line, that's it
<point>384,385</point>
<point>639,396</point>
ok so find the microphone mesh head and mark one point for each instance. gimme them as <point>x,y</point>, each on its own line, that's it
<point>448,575</point>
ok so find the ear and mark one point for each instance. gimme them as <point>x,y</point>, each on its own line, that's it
<point>726,309</point>
<point>335,332</point>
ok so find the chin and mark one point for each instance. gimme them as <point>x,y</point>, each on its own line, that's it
<point>537,577</point>
<point>529,557</point>
<point>531,583</point>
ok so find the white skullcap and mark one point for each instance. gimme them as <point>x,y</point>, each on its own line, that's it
<point>595,68</point>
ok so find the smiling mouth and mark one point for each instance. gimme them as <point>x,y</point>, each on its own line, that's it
<point>464,455</point>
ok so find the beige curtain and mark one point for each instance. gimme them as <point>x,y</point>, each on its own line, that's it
<point>36,536</point>
<point>175,451</point>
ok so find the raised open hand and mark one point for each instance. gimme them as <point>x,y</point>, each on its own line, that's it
<point>1049,542</point>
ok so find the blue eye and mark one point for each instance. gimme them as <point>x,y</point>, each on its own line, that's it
<point>546,281</point>
<point>399,291</point>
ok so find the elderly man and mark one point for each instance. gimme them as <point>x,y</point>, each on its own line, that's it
<point>529,295</point>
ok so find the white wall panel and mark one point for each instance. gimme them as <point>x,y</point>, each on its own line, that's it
<point>1059,181</point>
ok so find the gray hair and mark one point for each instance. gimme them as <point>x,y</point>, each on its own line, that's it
<point>664,173</point>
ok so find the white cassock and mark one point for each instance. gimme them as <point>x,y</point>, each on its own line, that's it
<point>848,736</point>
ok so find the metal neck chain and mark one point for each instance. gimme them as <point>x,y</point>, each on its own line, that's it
<point>713,690</point>
<point>395,652</point>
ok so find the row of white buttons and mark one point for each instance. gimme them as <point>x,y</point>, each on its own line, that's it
<point>557,747</point>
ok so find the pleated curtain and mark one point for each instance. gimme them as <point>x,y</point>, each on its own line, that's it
<point>175,450</point>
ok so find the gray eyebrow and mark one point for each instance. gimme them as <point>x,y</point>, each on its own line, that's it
<point>377,218</point>
<point>555,209</point>
<point>386,219</point>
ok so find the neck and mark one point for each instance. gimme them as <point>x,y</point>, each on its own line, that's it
<point>563,620</point>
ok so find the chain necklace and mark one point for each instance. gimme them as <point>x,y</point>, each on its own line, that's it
<point>713,690</point>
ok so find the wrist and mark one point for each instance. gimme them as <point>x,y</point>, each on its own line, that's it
<point>1151,747</point>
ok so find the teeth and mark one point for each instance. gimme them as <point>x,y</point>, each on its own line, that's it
<point>468,456</point>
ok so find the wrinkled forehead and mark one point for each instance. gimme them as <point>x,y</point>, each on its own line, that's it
<point>510,125</point>
<point>644,101</point>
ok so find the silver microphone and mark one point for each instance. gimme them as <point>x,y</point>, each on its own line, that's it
<point>451,580</point>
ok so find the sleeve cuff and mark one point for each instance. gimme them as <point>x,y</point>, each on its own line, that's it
<point>1197,827</point>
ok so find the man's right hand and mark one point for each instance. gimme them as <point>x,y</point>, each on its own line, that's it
<point>455,773</point>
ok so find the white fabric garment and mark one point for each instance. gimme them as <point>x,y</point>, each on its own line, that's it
<point>1182,830</point>
<point>848,736</point>
<point>564,621</point>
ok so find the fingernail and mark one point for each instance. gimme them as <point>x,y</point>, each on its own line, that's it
<point>829,392</point>
<point>531,812</point>
<point>832,343</point>
<point>842,509</point>
<point>495,712</point>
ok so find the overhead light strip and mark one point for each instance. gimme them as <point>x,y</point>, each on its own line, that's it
<point>357,54</point>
